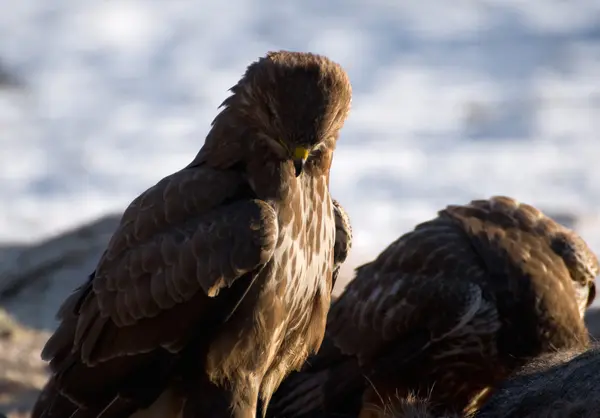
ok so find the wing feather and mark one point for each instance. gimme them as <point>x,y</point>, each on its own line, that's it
<point>178,245</point>
<point>393,297</point>
<point>214,251</point>
<point>343,238</point>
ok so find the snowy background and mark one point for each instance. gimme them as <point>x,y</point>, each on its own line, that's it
<point>453,100</point>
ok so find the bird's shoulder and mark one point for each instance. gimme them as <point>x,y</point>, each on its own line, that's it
<point>179,244</point>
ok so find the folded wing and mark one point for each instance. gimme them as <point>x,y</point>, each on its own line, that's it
<point>184,254</point>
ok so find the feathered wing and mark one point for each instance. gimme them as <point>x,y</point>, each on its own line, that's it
<point>415,293</point>
<point>51,397</point>
<point>182,241</point>
<point>343,239</point>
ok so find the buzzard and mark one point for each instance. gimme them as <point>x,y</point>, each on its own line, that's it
<point>447,311</point>
<point>217,281</point>
<point>562,384</point>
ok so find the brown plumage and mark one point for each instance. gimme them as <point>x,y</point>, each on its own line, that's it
<point>564,384</point>
<point>447,311</point>
<point>217,282</point>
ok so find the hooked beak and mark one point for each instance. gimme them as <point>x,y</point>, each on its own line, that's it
<point>300,156</point>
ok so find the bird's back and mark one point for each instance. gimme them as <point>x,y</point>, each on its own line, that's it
<point>527,276</point>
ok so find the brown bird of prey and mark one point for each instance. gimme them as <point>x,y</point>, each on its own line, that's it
<point>447,311</point>
<point>217,281</point>
<point>564,384</point>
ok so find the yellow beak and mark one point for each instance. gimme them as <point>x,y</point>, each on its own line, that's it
<point>300,156</point>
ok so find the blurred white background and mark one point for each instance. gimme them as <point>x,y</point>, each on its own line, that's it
<point>453,101</point>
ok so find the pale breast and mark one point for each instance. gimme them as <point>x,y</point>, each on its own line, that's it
<point>301,278</point>
<point>304,257</point>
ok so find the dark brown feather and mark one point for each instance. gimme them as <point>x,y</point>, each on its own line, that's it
<point>104,326</point>
<point>51,403</point>
<point>209,257</point>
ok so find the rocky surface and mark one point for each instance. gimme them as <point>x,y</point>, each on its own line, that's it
<point>33,282</point>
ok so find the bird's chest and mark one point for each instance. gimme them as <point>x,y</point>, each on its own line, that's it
<point>303,259</point>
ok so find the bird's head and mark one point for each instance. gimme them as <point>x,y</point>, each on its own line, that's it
<point>294,105</point>
<point>582,264</point>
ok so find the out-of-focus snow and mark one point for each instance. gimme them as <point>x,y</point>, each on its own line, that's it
<point>452,101</point>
